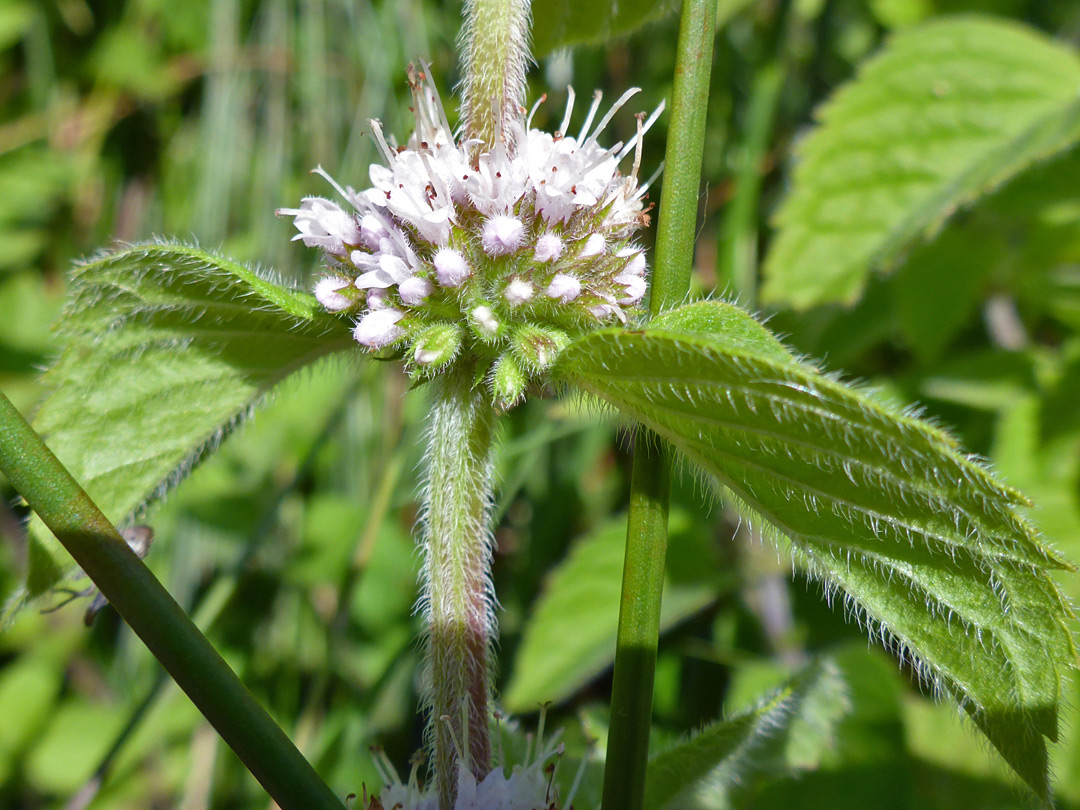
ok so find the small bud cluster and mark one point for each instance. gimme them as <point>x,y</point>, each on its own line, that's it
<point>496,257</point>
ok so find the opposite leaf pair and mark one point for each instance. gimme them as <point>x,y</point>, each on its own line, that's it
<point>170,346</point>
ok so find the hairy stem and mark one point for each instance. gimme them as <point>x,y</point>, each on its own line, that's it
<point>646,535</point>
<point>156,618</point>
<point>458,597</point>
<point>495,44</point>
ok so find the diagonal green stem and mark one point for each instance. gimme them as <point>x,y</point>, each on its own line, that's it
<point>156,618</point>
<point>646,535</point>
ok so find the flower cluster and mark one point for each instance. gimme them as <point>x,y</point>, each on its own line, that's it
<point>528,786</point>
<point>499,255</point>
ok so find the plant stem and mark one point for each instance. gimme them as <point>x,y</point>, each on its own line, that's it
<point>156,618</point>
<point>646,535</point>
<point>458,595</point>
<point>676,228</point>
<point>495,41</point>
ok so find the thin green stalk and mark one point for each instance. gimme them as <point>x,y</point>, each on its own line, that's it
<point>156,618</point>
<point>458,595</point>
<point>676,228</point>
<point>646,535</point>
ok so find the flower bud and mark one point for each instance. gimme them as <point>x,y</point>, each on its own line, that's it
<point>502,235</point>
<point>594,246</point>
<point>438,345</point>
<point>414,290</point>
<point>635,289</point>
<point>333,293</point>
<point>379,328</point>
<point>549,247</point>
<point>536,347</point>
<point>564,287</point>
<point>508,382</point>
<point>484,322</point>
<point>517,292</point>
<point>451,269</point>
<point>636,265</point>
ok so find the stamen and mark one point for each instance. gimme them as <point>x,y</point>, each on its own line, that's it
<point>319,170</point>
<point>638,142</point>
<point>569,801</point>
<point>435,99</point>
<point>532,112</point>
<point>625,97</point>
<point>642,130</point>
<point>597,96</point>
<point>498,739</point>
<point>600,158</point>
<point>528,750</point>
<point>380,141</point>
<point>384,767</point>
<point>641,191</point>
<point>569,109</point>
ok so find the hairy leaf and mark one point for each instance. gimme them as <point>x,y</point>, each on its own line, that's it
<point>563,23</point>
<point>570,636</point>
<point>168,346</point>
<point>930,550</point>
<point>731,756</point>
<point>947,112</point>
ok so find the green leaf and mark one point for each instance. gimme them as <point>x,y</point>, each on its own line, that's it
<point>564,23</point>
<point>168,347</point>
<point>929,549</point>
<point>947,112</point>
<point>730,756</point>
<point>570,636</point>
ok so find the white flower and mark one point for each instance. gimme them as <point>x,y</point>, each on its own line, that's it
<point>604,312</point>
<point>564,287</point>
<point>529,785</point>
<point>376,299</point>
<point>323,224</point>
<point>379,328</point>
<point>390,271</point>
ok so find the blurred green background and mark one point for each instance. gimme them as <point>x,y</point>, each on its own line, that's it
<point>125,119</point>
